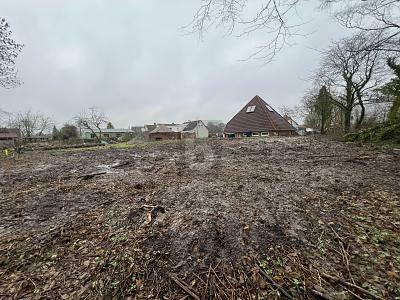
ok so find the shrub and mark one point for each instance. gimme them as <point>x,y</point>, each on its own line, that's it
<point>387,133</point>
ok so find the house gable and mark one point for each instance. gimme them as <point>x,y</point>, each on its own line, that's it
<point>198,128</point>
<point>257,116</point>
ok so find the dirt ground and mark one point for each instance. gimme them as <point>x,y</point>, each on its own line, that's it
<point>296,218</point>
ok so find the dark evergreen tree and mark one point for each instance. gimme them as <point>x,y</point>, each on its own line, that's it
<point>110,125</point>
<point>68,131</point>
<point>323,109</point>
<point>392,89</point>
<point>55,133</point>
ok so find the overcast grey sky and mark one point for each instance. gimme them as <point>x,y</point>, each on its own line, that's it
<point>131,59</point>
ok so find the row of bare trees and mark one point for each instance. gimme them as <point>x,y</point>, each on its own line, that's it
<point>30,123</point>
<point>35,124</point>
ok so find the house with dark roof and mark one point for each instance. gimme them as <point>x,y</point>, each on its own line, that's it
<point>258,118</point>
<point>9,137</point>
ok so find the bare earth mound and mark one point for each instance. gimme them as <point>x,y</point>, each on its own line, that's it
<point>293,218</point>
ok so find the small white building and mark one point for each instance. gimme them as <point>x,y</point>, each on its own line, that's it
<point>198,127</point>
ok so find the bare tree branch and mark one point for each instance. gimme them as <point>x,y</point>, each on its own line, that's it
<point>9,51</point>
<point>30,123</point>
<point>236,16</point>
<point>381,18</point>
<point>92,119</point>
<point>351,73</point>
<point>278,21</point>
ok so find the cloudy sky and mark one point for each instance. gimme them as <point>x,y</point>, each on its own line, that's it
<point>132,59</point>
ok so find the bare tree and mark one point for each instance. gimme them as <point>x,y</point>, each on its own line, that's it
<point>295,112</point>
<point>278,20</point>
<point>31,124</point>
<point>352,73</point>
<point>94,120</point>
<point>380,18</point>
<point>237,17</point>
<point>285,110</point>
<point>9,50</point>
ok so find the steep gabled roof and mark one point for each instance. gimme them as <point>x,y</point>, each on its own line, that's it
<point>190,125</point>
<point>261,117</point>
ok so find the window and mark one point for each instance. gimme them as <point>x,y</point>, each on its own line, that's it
<point>251,109</point>
<point>269,108</point>
<point>255,134</point>
<point>264,134</point>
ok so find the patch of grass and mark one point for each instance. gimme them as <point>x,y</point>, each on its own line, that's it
<point>124,145</point>
<point>97,148</point>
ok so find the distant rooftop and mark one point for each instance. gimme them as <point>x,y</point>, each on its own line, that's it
<point>9,133</point>
<point>161,128</point>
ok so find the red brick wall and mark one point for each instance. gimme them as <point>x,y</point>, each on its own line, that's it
<point>161,136</point>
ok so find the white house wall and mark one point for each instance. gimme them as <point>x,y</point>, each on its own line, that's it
<point>201,131</point>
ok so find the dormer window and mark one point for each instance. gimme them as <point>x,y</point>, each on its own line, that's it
<point>251,109</point>
<point>269,108</point>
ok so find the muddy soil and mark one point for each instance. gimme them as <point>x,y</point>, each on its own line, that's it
<point>216,219</point>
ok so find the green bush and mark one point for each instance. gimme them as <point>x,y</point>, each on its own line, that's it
<point>387,133</point>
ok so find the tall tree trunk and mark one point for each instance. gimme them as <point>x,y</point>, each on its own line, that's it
<point>362,115</point>
<point>361,103</point>
<point>323,121</point>
<point>394,113</point>
<point>349,104</point>
<point>347,120</point>
<point>94,133</point>
<point>99,137</point>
